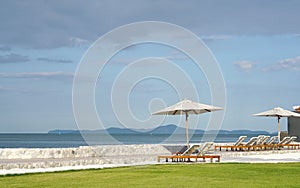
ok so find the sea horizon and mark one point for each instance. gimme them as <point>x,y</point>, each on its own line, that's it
<point>46,140</point>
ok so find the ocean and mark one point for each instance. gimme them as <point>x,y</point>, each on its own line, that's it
<point>76,140</point>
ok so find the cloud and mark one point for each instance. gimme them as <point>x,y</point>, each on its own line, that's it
<point>48,24</point>
<point>58,75</point>
<point>8,89</point>
<point>25,90</point>
<point>245,65</point>
<point>177,55</point>
<point>291,64</point>
<point>54,60</point>
<point>76,41</point>
<point>13,58</point>
<point>213,38</point>
<point>3,88</point>
<point>149,88</point>
<point>5,48</point>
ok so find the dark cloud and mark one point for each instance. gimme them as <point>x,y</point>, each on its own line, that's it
<point>51,24</point>
<point>13,58</point>
<point>9,89</point>
<point>213,38</point>
<point>58,75</point>
<point>54,60</point>
<point>25,90</point>
<point>5,48</point>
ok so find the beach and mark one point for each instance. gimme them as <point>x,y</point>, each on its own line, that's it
<point>28,160</point>
<point>33,160</point>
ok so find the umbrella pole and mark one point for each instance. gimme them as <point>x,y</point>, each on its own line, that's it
<point>278,119</point>
<point>187,128</point>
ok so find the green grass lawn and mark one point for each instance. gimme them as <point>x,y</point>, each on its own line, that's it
<point>172,175</point>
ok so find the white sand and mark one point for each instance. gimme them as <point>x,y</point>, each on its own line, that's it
<point>22,160</point>
<point>13,161</point>
<point>265,158</point>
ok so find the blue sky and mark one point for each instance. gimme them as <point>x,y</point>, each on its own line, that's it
<point>256,43</point>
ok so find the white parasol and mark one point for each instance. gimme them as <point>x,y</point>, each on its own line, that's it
<point>187,107</point>
<point>278,112</point>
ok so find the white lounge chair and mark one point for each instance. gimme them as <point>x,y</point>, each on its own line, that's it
<point>271,142</point>
<point>248,145</point>
<point>279,144</point>
<point>261,142</point>
<point>194,148</point>
<point>237,143</point>
<point>265,140</point>
<point>194,152</point>
<point>284,140</point>
<point>289,143</point>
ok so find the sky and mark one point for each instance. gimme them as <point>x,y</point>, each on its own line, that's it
<point>256,45</point>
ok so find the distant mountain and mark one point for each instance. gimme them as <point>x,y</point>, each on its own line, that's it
<point>167,129</point>
<point>236,132</point>
<point>248,132</point>
<point>58,131</point>
<point>115,130</point>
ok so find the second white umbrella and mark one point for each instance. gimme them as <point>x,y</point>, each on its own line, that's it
<point>278,112</point>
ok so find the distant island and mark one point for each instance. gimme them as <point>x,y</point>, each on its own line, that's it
<point>167,129</point>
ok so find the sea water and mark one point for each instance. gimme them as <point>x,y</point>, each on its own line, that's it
<point>76,140</point>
